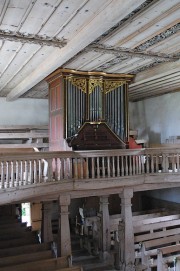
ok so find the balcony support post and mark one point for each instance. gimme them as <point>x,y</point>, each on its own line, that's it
<point>46,227</point>
<point>64,238</point>
<point>126,235</point>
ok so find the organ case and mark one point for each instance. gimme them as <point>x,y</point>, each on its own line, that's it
<point>95,108</point>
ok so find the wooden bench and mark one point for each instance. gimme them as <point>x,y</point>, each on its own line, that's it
<point>18,242</point>
<point>167,256</point>
<point>42,265</point>
<point>24,258</point>
<point>153,236</point>
<point>73,268</point>
<point>15,235</point>
<point>149,249</point>
<point>13,251</point>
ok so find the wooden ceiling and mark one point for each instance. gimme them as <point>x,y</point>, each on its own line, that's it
<point>114,36</point>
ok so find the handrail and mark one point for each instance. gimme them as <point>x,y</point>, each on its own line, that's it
<point>19,169</point>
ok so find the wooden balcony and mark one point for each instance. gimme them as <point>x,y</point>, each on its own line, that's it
<point>46,175</point>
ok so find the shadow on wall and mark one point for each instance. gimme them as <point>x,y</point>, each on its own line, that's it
<point>150,136</point>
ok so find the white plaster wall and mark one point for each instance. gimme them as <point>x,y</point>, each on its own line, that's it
<point>24,112</point>
<point>156,119</point>
<point>170,194</point>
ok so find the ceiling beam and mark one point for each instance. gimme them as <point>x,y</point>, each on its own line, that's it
<point>129,53</point>
<point>33,39</point>
<point>111,13</point>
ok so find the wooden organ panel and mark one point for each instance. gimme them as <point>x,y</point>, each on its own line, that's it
<point>80,101</point>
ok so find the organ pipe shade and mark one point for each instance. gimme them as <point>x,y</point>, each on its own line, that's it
<point>95,100</point>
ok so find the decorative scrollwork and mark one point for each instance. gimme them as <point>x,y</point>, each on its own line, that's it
<point>80,83</point>
<point>110,85</point>
<point>95,83</point>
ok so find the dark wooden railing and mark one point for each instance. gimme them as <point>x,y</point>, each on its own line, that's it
<point>20,170</point>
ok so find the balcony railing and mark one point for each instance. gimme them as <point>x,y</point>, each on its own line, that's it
<point>17,170</point>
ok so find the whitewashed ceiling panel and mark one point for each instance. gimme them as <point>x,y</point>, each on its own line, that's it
<point>115,36</point>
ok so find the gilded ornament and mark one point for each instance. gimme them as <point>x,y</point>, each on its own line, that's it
<point>110,85</point>
<point>95,83</point>
<point>78,82</point>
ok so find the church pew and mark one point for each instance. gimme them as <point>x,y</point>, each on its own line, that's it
<point>15,235</point>
<point>31,239</point>
<point>149,249</point>
<point>73,268</point>
<point>166,256</point>
<point>13,251</point>
<point>156,226</point>
<point>24,258</point>
<point>12,225</point>
<point>42,265</point>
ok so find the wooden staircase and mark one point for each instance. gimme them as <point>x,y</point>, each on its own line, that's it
<point>20,250</point>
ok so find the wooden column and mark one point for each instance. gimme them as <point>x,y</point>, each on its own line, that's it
<point>126,233</point>
<point>105,227</point>
<point>46,227</point>
<point>64,238</point>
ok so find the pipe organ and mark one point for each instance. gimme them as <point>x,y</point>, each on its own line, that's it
<point>91,107</point>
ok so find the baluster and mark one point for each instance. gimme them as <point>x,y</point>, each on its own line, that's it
<point>103,167</point>
<point>66,168</point>
<point>117,166</point>
<point>147,163</point>
<point>140,165</point>
<point>59,169</point>
<point>126,165</point>
<point>70,168</point>
<point>177,162</point>
<point>40,170</point>
<point>63,168</point>
<point>164,163</point>
<point>81,168</point>
<point>122,165</point>
<point>26,172</point>
<point>30,175</point>
<point>55,169</point>
<point>21,181</point>
<point>108,167</point>
<point>152,163</point>
<point>50,172</point>
<point>92,169</point>
<point>130,165</point>
<point>173,163</point>
<point>2,175</point>
<point>87,169</point>
<point>97,168</point>
<point>35,171</point>
<point>12,173</point>
<point>157,164</point>
<point>75,168</point>
<point>7,174</point>
<point>17,173</point>
<point>134,165</point>
<point>113,167</point>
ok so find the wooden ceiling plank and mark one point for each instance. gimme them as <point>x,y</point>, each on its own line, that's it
<point>158,86</point>
<point>22,62</point>
<point>155,90</point>
<point>30,66</point>
<point>101,21</point>
<point>162,79</point>
<point>155,94</point>
<point>154,77</point>
<point>140,23</point>
<point>161,70</point>
<point>122,64</point>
